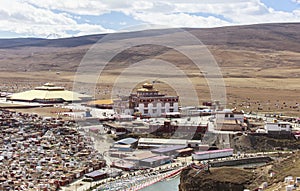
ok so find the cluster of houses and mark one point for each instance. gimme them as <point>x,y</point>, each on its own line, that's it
<point>158,128</point>
<point>132,154</point>
<point>42,154</point>
<point>224,120</point>
<point>148,102</point>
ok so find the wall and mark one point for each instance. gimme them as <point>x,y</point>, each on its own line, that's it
<point>240,161</point>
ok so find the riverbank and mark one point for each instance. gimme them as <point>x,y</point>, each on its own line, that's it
<point>140,179</point>
<point>229,178</point>
<point>242,161</point>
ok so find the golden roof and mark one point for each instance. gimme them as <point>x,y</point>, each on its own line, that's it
<point>147,87</point>
<point>143,90</point>
<point>101,102</point>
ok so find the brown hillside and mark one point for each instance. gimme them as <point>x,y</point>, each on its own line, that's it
<point>260,63</point>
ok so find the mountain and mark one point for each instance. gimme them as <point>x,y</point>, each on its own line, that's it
<point>40,42</point>
<point>283,36</point>
<point>225,43</point>
<point>261,36</point>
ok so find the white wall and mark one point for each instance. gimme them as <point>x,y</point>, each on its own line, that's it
<point>175,105</point>
<point>278,127</point>
<point>167,107</point>
<point>141,108</point>
<point>222,116</point>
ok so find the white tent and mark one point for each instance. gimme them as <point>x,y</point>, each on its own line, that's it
<point>49,93</point>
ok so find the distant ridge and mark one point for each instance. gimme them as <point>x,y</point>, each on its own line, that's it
<point>41,42</point>
<point>277,36</point>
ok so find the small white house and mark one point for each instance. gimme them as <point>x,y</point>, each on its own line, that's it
<point>229,114</point>
<point>278,127</point>
<point>261,131</point>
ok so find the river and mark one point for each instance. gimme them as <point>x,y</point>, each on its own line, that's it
<point>170,185</point>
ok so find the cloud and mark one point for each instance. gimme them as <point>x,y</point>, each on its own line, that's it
<point>296,1</point>
<point>220,13</point>
<point>80,7</point>
<point>29,20</point>
<point>41,18</point>
<point>179,20</point>
<point>223,7</point>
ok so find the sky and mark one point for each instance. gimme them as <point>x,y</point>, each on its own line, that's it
<point>67,18</point>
